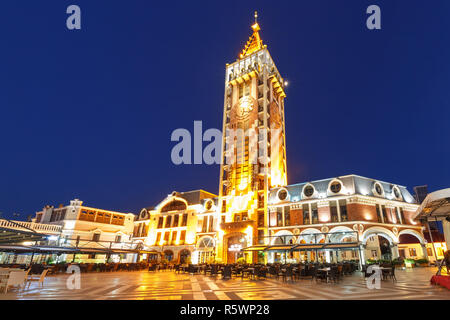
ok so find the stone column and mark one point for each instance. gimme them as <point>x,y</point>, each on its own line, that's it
<point>394,251</point>
<point>362,256</point>
<point>424,250</point>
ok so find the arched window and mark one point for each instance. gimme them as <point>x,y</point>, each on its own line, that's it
<point>168,254</point>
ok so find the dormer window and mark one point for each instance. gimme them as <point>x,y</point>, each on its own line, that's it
<point>308,191</point>
<point>282,194</point>
<point>335,187</point>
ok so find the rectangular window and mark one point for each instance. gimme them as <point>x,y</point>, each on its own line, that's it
<point>96,237</point>
<point>260,219</point>
<point>430,252</point>
<point>184,221</point>
<point>384,213</point>
<point>160,222</point>
<point>175,220</point>
<point>314,213</point>
<point>158,238</point>
<point>168,221</point>
<point>174,237</point>
<point>279,216</point>
<point>306,214</point>
<point>343,209</point>
<point>260,236</point>
<point>378,213</point>
<point>374,253</point>
<point>334,211</point>
<point>261,201</point>
<point>166,237</point>
<point>402,215</point>
<point>287,216</point>
<point>211,224</point>
<point>205,224</point>
<point>118,238</point>
<point>182,236</point>
<point>412,252</point>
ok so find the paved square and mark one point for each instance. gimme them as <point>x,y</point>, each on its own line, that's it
<point>166,285</point>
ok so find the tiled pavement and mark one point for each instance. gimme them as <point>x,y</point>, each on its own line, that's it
<point>411,284</point>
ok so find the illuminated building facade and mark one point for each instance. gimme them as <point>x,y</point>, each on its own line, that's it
<point>180,228</point>
<point>85,227</point>
<point>365,219</point>
<point>257,216</point>
<point>254,152</point>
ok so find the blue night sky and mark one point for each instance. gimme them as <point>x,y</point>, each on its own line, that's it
<point>88,114</point>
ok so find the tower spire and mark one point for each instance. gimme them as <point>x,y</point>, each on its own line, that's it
<point>254,43</point>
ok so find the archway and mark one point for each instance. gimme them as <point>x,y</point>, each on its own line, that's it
<point>283,237</point>
<point>378,242</point>
<point>311,236</point>
<point>184,255</point>
<point>168,255</point>
<point>412,244</point>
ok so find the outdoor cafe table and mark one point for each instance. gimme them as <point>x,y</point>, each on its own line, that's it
<point>249,271</point>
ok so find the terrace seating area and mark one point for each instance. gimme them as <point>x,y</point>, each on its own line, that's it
<point>387,271</point>
<point>84,267</point>
<point>285,272</point>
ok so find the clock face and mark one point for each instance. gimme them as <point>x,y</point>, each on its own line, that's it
<point>244,107</point>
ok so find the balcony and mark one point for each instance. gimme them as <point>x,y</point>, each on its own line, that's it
<point>236,226</point>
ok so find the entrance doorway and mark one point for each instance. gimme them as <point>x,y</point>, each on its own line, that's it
<point>235,244</point>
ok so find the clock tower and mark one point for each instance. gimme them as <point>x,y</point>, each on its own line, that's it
<point>254,149</point>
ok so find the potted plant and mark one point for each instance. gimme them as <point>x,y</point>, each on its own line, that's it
<point>422,262</point>
<point>398,263</point>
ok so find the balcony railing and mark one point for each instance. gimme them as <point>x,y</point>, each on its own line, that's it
<point>27,226</point>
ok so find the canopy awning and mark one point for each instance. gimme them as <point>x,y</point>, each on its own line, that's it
<point>255,248</point>
<point>348,245</point>
<point>279,247</point>
<point>436,205</point>
<point>308,246</point>
<point>67,250</point>
<point>18,236</point>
